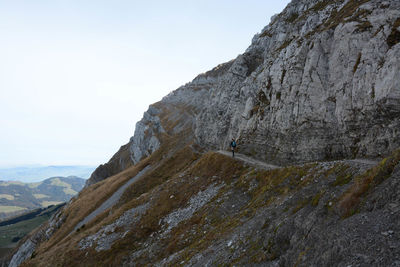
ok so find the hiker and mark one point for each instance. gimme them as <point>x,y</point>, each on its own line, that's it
<point>233,146</point>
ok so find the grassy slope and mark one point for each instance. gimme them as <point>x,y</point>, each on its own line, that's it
<point>183,176</point>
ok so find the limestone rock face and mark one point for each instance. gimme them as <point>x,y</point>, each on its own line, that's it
<point>327,86</point>
<point>320,82</point>
<point>143,143</point>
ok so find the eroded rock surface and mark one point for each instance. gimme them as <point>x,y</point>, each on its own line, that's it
<point>104,238</point>
<point>195,203</point>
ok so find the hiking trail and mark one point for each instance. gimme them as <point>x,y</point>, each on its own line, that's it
<point>266,166</point>
<point>249,160</point>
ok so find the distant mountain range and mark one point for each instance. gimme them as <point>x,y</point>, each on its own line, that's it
<point>29,174</point>
<point>17,197</point>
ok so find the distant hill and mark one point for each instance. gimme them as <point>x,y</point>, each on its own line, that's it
<point>29,174</point>
<point>17,197</point>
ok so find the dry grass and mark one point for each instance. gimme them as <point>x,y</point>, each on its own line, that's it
<point>226,167</point>
<point>357,63</point>
<point>173,165</point>
<point>95,195</point>
<point>364,26</point>
<point>345,14</point>
<point>182,175</point>
<point>347,11</point>
<point>320,6</point>
<point>182,188</point>
<point>342,174</point>
<point>314,9</point>
<point>364,183</point>
<point>137,193</point>
<point>155,187</point>
<point>394,37</point>
<point>198,177</point>
<point>173,156</point>
<point>292,17</point>
<point>316,198</point>
<point>273,183</point>
<point>285,44</point>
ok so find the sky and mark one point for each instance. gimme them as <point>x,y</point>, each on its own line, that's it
<point>76,76</point>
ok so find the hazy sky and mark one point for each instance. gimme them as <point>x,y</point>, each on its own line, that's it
<point>76,76</point>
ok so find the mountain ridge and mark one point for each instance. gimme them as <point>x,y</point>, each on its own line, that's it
<point>337,95</point>
<point>17,197</point>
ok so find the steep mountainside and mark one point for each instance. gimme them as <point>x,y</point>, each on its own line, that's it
<point>315,98</point>
<point>17,197</point>
<point>320,82</point>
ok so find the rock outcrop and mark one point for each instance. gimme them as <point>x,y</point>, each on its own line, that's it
<point>320,82</point>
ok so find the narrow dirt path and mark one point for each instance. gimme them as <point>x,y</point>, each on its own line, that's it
<point>366,161</point>
<point>111,201</point>
<point>263,165</point>
<point>249,160</point>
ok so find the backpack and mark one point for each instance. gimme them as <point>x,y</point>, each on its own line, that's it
<point>233,144</point>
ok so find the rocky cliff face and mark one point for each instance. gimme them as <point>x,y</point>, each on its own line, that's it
<point>322,81</point>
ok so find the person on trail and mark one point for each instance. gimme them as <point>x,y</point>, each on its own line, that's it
<point>233,146</point>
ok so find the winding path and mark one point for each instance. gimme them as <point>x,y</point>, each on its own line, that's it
<point>111,201</point>
<point>249,160</point>
<point>263,165</point>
